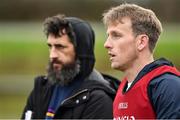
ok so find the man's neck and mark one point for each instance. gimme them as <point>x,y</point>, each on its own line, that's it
<point>136,67</point>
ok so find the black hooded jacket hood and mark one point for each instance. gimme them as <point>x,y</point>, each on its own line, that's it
<point>84,45</point>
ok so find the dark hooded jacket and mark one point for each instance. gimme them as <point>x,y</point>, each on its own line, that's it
<point>92,99</point>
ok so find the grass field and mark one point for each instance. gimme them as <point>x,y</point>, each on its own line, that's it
<point>24,54</point>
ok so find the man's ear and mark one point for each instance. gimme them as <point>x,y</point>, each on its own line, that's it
<point>142,42</point>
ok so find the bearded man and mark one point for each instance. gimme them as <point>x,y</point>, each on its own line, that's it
<point>72,88</point>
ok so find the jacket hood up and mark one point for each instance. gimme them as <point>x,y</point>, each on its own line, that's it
<point>84,39</point>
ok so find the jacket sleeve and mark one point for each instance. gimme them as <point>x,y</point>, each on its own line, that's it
<point>164,95</point>
<point>28,106</point>
<point>31,99</point>
<point>99,106</point>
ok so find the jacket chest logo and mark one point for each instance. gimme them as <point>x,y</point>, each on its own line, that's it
<point>123,105</point>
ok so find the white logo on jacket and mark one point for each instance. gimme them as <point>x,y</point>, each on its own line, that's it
<point>123,105</point>
<point>124,118</point>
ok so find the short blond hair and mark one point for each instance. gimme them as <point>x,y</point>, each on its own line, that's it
<point>144,21</point>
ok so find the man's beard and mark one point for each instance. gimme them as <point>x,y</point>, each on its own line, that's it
<point>65,75</point>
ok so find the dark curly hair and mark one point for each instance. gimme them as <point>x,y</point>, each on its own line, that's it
<point>57,25</point>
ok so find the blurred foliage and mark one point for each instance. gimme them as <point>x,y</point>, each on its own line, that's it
<point>15,10</point>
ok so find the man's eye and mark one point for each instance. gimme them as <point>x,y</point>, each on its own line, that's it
<point>49,46</point>
<point>60,46</point>
<point>116,35</point>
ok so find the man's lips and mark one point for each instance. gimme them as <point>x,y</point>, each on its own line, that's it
<point>111,55</point>
<point>56,66</point>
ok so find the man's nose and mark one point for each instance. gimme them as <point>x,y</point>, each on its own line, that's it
<point>107,44</point>
<point>53,53</point>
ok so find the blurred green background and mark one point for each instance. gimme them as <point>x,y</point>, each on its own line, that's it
<point>23,49</point>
